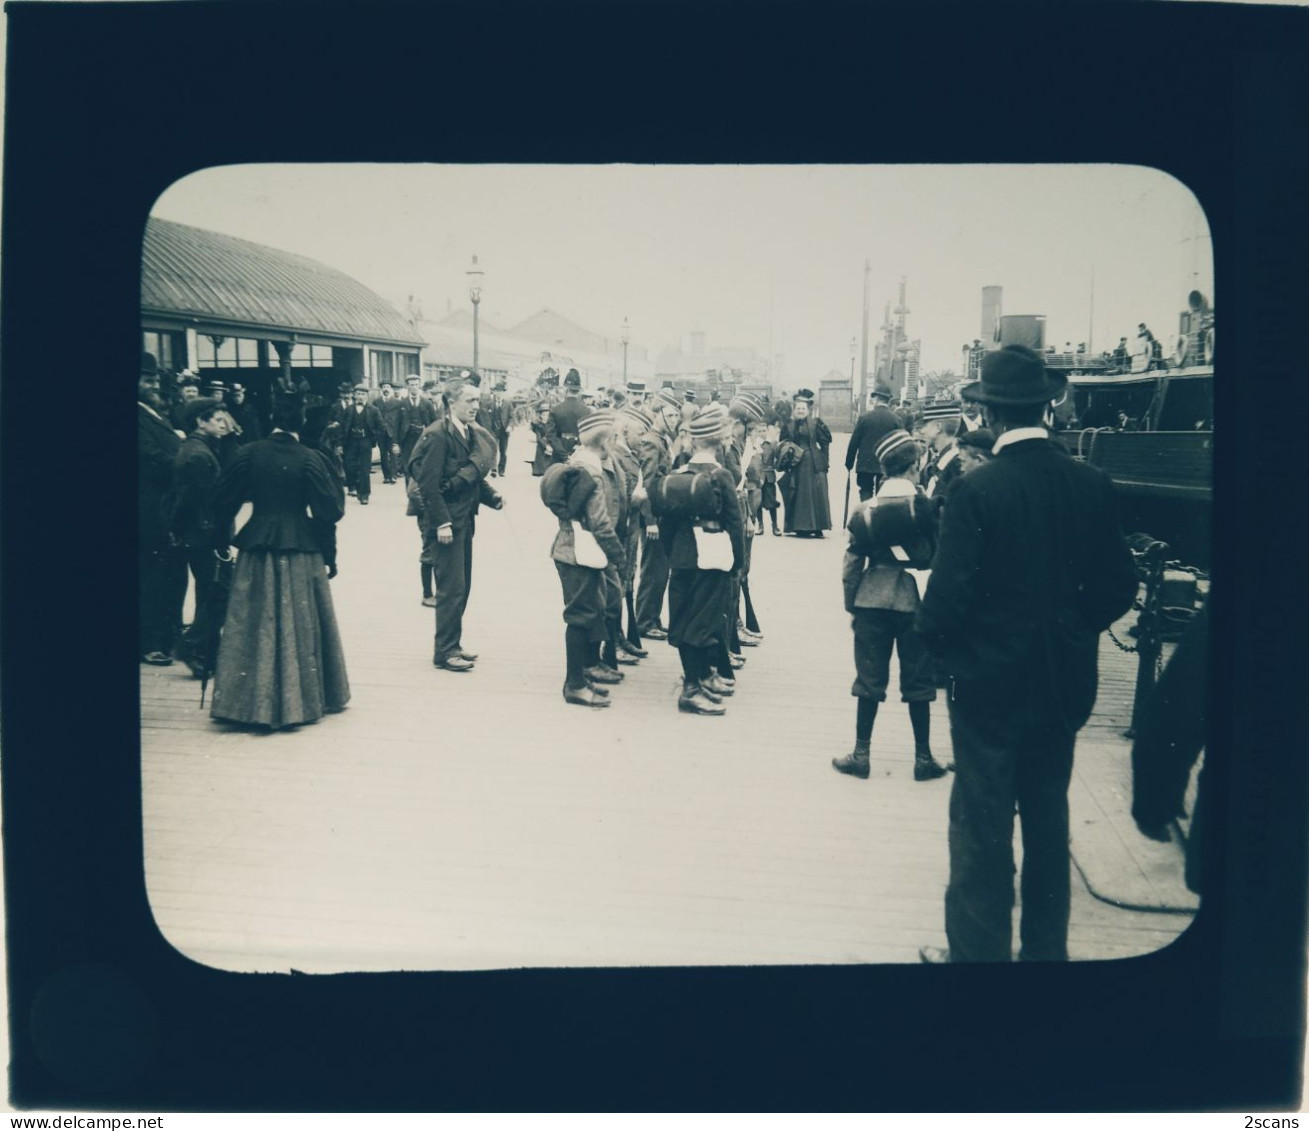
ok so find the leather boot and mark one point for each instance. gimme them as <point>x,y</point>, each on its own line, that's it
<point>717,686</point>
<point>855,763</point>
<point>694,701</point>
<point>583,697</point>
<point>927,768</point>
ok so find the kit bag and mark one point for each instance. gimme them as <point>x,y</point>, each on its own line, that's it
<point>687,495</point>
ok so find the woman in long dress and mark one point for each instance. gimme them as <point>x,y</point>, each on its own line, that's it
<point>280,662</point>
<point>804,487</point>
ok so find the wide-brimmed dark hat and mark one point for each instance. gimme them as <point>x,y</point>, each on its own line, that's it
<point>1015,375</point>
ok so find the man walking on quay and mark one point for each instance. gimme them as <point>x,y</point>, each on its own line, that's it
<point>388,409</point>
<point>654,451</point>
<point>361,429</point>
<point>451,476</point>
<point>1030,569</point>
<point>415,413</point>
<point>869,431</point>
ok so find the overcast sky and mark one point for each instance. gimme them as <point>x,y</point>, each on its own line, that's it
<point>749,254</point>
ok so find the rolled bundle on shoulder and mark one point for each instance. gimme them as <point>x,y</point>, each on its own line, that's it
<point>565,489</point>
<point>687,495</point>
<point>904,523</point>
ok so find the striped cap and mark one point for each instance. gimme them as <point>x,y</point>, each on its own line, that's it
<point>890,442</point>
<point>945,410</point>
<point>592,421</point>
<point>748,407</point>
<point>709,422</point>
<point>666,398</point>
<point>638,415</point>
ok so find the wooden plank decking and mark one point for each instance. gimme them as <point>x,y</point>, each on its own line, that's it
<point>476,821</point>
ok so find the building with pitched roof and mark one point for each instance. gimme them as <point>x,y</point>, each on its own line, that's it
<point>240,311</point>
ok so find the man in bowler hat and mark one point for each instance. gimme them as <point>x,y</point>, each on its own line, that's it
<point>1030,569</point>
<point>869,431</point>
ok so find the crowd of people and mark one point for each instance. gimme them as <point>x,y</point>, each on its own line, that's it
<point>978,553</point>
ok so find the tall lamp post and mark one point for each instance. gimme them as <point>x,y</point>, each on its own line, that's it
<point>625,338</point>
<point>854,352</point>
<point>475,274</point>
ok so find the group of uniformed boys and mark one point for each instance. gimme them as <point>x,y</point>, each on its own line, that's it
<point>682,490</point>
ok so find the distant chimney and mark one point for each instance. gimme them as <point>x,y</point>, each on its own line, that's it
<point>991,310</point>
<point>697,343</point>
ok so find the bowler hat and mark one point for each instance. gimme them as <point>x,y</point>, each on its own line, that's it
<point>149,366</point>
<point>881,391</point>
<point>1015,375</point>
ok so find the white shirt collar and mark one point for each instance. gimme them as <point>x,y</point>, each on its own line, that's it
<point>584,455</point>
<point>1014,435</point>
<point>153,413</point>
<point>894,487</point>
<point>704,457</point>
<point>460,427</point>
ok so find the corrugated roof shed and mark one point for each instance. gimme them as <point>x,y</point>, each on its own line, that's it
<point>189,271</point>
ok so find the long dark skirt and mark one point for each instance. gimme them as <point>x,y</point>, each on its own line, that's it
<point>699,601</point>
<point>280,662</point>
<point>804,491</point>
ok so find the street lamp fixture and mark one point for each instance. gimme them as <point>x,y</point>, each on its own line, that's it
<point>854,350</point>
<point>475,274</point>
<point>625,337</point>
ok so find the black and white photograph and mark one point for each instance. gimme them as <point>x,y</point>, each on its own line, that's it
<point>684,560</point>
<point>387,411</point>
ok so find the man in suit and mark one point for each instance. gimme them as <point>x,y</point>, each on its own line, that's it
<point>360,431</point>
<point>496,415</point>
<point>332,441</point>
<point>561,428</point>
<point>161,567</point>
<point>1030,569</point>
<point>456,458</point>
<point>388,410</point>
<point>654,452</point>
<point>869,430</point>
<point>415,413</point>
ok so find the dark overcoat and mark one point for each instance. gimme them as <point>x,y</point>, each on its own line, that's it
<point>869,431</point>
<point>157,445</point>
<point>1030,569</point>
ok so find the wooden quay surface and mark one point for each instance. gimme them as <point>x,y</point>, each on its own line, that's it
<point>476,821</point>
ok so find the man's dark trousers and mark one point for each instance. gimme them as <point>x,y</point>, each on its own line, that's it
<point>502,438</point>
<point>388,468</point>
<point>652,584</point>
<point>161,578</point>
<point>359,469</point>
<point>1008,749</point>
<point>453,572</point>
